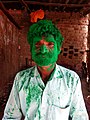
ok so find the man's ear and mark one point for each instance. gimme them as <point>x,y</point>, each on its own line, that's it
<point>59,50</point>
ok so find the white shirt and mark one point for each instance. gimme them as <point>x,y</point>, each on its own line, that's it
<point>60,98</point>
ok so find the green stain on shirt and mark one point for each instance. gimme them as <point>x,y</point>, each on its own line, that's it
<point>34,93</point>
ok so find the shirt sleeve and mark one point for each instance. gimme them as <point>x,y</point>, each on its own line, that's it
<point>12,109</point>
<point>78,110</point>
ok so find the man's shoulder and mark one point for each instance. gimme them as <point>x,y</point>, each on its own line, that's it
<point>68,74</point>
<point>70,77</point>
<point>23,77</point>
<point>66,70</point>
<point>26,72</point>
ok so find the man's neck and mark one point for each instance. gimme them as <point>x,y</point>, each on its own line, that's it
<point>46,71</point>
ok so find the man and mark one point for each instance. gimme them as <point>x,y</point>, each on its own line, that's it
<point>46,91</point>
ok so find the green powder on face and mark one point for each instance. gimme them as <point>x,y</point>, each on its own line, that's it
<point>44,49</point>
<point>44,27</point>
<point>44,55</point>
<point>51,33</point>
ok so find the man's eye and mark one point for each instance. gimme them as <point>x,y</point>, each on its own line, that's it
<point>37,45</point>
<point>51,44</point>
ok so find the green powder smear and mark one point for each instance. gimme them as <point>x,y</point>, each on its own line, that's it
<point>51,33</point>
<point>34,93</point>
<point>44,27</point>
<point>45,55</point>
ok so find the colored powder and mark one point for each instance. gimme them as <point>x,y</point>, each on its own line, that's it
<point>33,94</point>
<point>44,27</point>
<point>45,55</point>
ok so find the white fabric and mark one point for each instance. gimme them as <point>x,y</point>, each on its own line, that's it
<point>59,99</point>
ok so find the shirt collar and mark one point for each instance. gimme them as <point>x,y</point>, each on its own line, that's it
<point>57,73</point>
<point>36,73</point>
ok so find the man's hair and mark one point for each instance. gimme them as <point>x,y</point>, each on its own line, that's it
<point>44,28</point>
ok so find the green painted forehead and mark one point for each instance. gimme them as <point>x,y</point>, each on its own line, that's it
<point>44,27</point>
<point>49,38</point>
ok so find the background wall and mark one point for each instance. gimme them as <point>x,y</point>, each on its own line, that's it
<point>88,52</point>
<point>15,51</point>
<point>75,32</point>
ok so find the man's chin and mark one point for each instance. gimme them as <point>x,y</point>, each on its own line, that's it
<point>45,63</point>
<point>42,65</point>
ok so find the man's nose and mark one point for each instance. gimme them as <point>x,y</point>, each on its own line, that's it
<point>43,49</point>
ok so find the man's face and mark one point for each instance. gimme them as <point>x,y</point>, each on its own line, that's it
<point>44,50</point>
